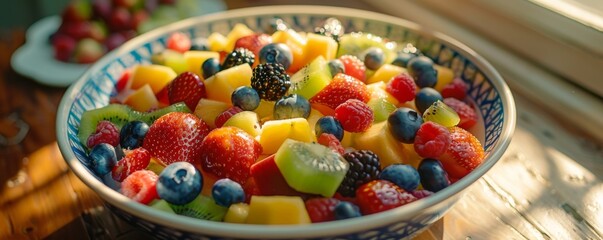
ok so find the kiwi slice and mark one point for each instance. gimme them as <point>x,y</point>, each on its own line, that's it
<point>202,207</point>
<point>162,205</point>
<point>357,42</point>
<point>312,78</point>
<point>119,115</point>
<point>442,114</point>
<point>311,167</point>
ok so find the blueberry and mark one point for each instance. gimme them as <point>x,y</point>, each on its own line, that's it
<point>422,70</point>
<point>402,59</point>
<point>210,67</point>
<point>246,98</point>
<point>433,176</point>
<point>291,106</point>
<point>403,175</point>
<point>329,124</point>
<point>200,44</point>
<point>179,183</point>
<point>425,97</point>
<point>404,124</point>
<point>276,53</point>
<point>226,192</point>
<point>336,66</point>
<point>102,158</point>
<point>374,58</point>
<point>345,210</point>
<point>132,134</point>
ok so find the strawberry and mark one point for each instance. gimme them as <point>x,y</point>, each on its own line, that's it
<point>188,88</point>
<point>456,89</point>
<point>64,46</point>
<point>354,67</point>
<point>463,155</point>
<point>354,115</point>
<point>106,132</point>
<point>329,140</point>
<point>253,43</point>
<point>134,160</point>
<point>140,186</point>
<point>122,82</point>
<point>321,209</point>
<point>229,152</point>
<point>402,87</point>
<point>120,19</point>
<point>465,112</point>
<point>224,116</point>
<point>179,42</point>
<point>380,195</point>
<point>176,137</point>
<point>340,89</point>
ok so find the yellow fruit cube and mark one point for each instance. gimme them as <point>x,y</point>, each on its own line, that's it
<point>247,121</point>
<point>319,45</point>
<point>265,110</point>
<point>313,118</point>
<point>377,90</point>
<point>156,76</point>
<point>195,59</point>
<point>221,85</point>
<point>277,210</point>
<point>385,73</point>
<point>208,110</point>
<point>445,76</point>
<point>379,140</point>
<point>275,132</point>
<point>297,44</point>
<point>143,99</point>
<point>237,213</point>
<point>238,31</point>
<point>217,42</point>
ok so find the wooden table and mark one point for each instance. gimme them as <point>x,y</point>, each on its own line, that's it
<point>547,186</point>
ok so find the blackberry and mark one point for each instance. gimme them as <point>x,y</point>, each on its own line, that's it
<point>270,81</point>
<point>364,167</point>
<point>237,57</point>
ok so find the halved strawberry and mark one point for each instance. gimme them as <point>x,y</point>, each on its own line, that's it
<point>321,209</point>
<point>465,112</point>
<point>229,152</point>
<point>354,67</point>
<point>463,155</point>
<point>134,160</point>
<point>340,89</point>
<point>188,88</point>
<point>140,186</point>
<point>380,195</point>
<point>176,137</point>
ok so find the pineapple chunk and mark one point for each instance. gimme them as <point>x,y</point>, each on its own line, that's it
<point>195,59</point>
<point>143,99</point>
<point>238,31</point>
<point>275,132</point>
<point>296,42</point>
<point>379,140</point>
<point>247,121</point>
<point>221,85</point>
<point>217,42</point>
<point>157,76</point>
<point>277,210</point>
<point>208,110</point>
<point>445,76</point>
<point>319,45</point>
<point>385,73</point>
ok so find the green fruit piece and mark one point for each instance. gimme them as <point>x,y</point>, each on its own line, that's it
<point>237,213</point>
<point>155,167</point>
<point>312,78</point>
<point>201,207</point>
<point>150,117</point>
<point>162,205</point>
<point>355,43</point>
<point>170,58</point>
<point>311,167</point>
<point>381,109</point>
<point>442,114</point>
<point>247,121</point>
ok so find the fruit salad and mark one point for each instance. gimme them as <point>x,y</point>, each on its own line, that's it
<point>324,125</point>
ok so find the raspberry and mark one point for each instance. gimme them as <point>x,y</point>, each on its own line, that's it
<point>354,115</point>
<point>402,87</point>
<point>353,67</point>
<point>140,186</point>
<point>224,116</point>
<point>329,140</point>
<point>466,113</point>
<point>364,167</point>
<point>432,140</point>
<point>381,195</point>
<point>456,89</point>
<point>270,81</point>
<point>321,209</point>
<point>237,57</point>
<point>134,160</point>
<point>106,132</point>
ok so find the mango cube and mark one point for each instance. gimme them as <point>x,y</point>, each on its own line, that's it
<point>385,73</point>
<point>275,132</point>
<point>277,210</point>
<point>143,99</point>
<point>379,139</point>
<point>195,59</point>
<point>220,86</point>
<point>156,76</point>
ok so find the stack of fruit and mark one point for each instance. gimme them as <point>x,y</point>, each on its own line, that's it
<point>324,126</point>
<point>89,29</point>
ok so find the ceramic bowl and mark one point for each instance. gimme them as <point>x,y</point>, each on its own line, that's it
<point>487,89</point>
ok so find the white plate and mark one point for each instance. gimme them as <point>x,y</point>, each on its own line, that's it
<point>35,59</point>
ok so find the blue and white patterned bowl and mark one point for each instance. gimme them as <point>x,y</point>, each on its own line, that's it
<point>487,89</point>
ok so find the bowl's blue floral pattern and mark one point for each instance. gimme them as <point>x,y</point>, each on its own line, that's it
<point>99,86</point>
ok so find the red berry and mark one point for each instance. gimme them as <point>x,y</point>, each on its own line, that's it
<point>64,46</point>
<point>253,43</point>
<point>179,42</point>
<point>329,140</point>
<point>354,67</point>
<point>251,188</point>
<point>339,90</point>
<point>134,160</point>
<point>120,19</point>
<point>402,87</point>
<point>431,140</point>
<point>463,155</point>
<point>224,116</point>
<point>188,88</point>
<point>380,195</point>
<point>354,115</point>
<point>106,132</point>
<point>140,186</point>
<point>269,180</point>
<point>421,193</point>
<point>321,209</point>
<point>465,112</point>
<point>456,89</point>
<point>123,81</point>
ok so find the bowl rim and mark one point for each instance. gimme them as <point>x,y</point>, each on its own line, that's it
<point>297,231</point>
